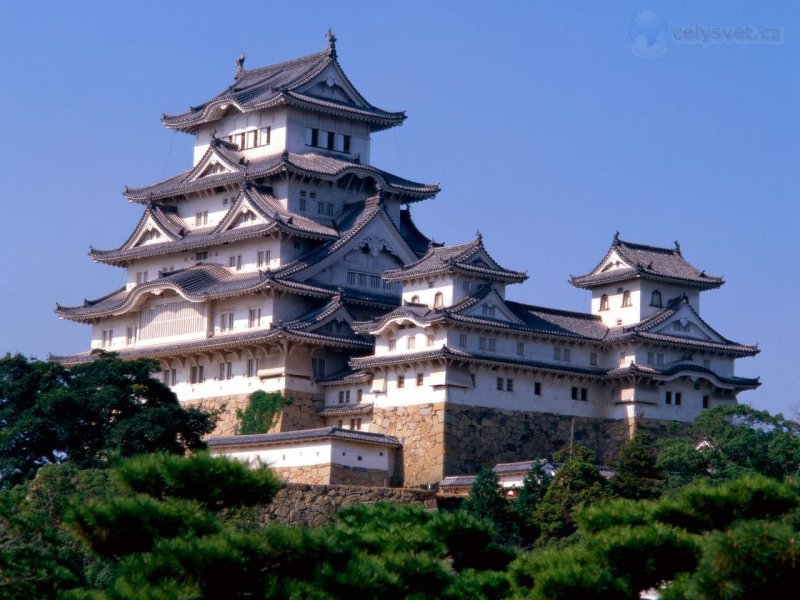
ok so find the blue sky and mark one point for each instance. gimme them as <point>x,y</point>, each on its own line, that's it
<point>545,124</point>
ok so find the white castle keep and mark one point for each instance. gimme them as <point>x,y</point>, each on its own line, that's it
<point>284,261</point>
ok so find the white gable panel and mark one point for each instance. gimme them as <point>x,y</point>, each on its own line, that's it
<point>685,323</point>
<point>332,84</point>
<point>613,262</point>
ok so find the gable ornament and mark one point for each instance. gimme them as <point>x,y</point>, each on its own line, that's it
<point>376,245</point>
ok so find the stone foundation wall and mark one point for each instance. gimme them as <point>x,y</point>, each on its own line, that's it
<point>335,475</point>
<point>344,475</point>
<point>299,504</point>
<point>421,430</point>
<point>310,474</point>
<point>477,436</point>
<point>226,405</point>
<point>301,414</point>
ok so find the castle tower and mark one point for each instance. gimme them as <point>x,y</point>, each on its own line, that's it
<point>664,360</point>
<point>246,271</point>
<point>283,260</point>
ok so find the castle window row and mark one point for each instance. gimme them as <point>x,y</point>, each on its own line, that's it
<point>197,373</point>
<point>562,354</point>
<point>252,138</point>
<point>355,425</point>
<point>328,140</point>
<point>673,398</point>
<point>580,393</point>
<point>626,299</point>
<point>236,262</point>
<point>304,196</point>
<point>344,396</point>
<point>509,385</point>
<point>366,280</point>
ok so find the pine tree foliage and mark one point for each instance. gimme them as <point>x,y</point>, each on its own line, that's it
<point>167,543</point>
<point>486,499</point>
<point>736,540</point>
<point>576,482</point>
<point>529,496</point>
<point>636,474</point>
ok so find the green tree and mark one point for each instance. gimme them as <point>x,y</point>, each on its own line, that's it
<point>727,442</point>
<point>167,538</point>
<point>38,558</point>
<point>636,474</point>
<point>735,540</point>
<point>49,414</point>
<point>486,499</point>
<point>529,496</point>
<point>33,561</point>
<point>261,413</point>
<point>577,481</point>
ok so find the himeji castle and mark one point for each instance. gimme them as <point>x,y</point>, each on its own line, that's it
<point>284,261</point>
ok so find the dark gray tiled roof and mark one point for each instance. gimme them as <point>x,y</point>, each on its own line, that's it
<point>345,410</point>
<point>198,282</point>
<point>457,481</point>
<point>465,258</point>
<point>415,239</point>
<point>649,262</point>
<point>535,319</point>
<point>277,219</point>
<point>345,377</point>
<point>644,331</point>
<point>313,163</point>
<point>557,322</point>
<point>499,469</point>
<point>273,85</point>
<point>350,223</point>
<point>221,342</point>
<point>446,353</point>
<point>264,439</point>
<point>684,367</point>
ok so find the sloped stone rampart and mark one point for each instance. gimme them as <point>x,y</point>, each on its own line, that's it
<point>300,504</point>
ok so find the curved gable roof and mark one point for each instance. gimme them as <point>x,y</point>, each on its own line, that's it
<point>284,83</point>
<point>646,262</point>
<point>470,258</point>
<point>239,168</point>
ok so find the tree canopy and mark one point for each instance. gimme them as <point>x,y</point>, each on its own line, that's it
<point>109,406</point>
<point>576,482</point>
<point>636,473</point>
<point>727,442</point>
<point>733,541</point>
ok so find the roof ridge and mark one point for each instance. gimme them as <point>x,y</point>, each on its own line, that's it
<point>285,63</point>
<point>638,246</point>
<point>558,311</point>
